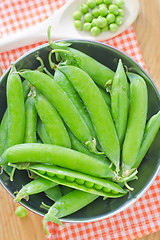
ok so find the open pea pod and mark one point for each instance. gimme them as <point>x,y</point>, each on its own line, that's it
<point>76,180</point>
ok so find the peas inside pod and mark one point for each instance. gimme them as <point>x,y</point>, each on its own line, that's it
<point>96,16</point>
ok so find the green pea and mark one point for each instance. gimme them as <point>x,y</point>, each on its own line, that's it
<point>70,179</point>
<point>89,184</point>
<point>98,2</point>
<point>50,174</point>
<point>60,176</point>
<point>21,211</point>
<point>88,17</point>
<point>83,8</point>
<point>119,3</point>
<point>95,12</point>
<point>87,26</point>
<point>93,22</point>
<point>110,18</point>
<point>101,22</point>
<point>119,20</point>
<point>121,12</point>
<point>97,186</point>
<point>102,5</point>
<point>95,31</point>
<point>113,191</point>
<point>105,29</point>
<point>78,25</point>
<point>80,181</point>
<point>107,2</point>
<point>41,172</point>
<point>103,11</point>
<point>77,15</point>
<point>91,4</point>
<point>113,27</point>
<point>114,9</point>
<point>105,189</point>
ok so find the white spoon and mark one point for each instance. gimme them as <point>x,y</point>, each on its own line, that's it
<point>63,27</point>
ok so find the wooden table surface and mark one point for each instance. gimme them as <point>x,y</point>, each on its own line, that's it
<point>148,35</point>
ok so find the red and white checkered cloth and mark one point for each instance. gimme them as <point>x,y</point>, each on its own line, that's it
<point>143,217</point>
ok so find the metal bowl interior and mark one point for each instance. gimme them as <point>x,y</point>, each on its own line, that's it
<point>149,167</point>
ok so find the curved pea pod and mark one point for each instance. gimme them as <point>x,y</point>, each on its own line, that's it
<point>52,122</point>
<point>35,186</point>
<point>60,100</point>
<point>62,80</point>
<point>56,155</point>
<point>136,122</point>
<point>98,111</point>
<point>151,130</point>
<point>96,70</point>
<point>30,121</point>
<point>67,205</point>
<point>42,133</point>
<point>16,109</point>
<point>54,193</point>
<point>120,101</point>
<point>76,180</point>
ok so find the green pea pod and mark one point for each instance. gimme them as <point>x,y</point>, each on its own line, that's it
<point>136,122</point>
<point>151,130</point>
<point>60,100</point>
<point>98,111</point>
<point>42,132</point>
<point>80,181</point>
<point>4,127</point>
<point>106,96</point>
<point>37,185</point>
<point>62,80</point>
<point>52,122</point>
<point>120,101</point>
<point>30,121</point>
<point>56,155</point>
<point>67,205</point>
<point>3,132</point>
<point>97,71</point>
<point>54,193</point>
<point>16,109</point>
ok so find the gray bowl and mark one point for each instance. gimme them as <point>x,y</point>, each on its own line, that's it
<point>150,165</point>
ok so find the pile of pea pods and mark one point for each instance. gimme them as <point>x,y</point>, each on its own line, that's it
<point>82,130</point>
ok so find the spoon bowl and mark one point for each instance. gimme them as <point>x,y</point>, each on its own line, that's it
<point>63,27</point>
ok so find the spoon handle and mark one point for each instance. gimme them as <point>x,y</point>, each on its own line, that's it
<point>25,37</point>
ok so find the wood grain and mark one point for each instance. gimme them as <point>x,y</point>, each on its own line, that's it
<point>148,35</point>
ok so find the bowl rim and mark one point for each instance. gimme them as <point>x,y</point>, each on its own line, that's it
<point>130,202</point>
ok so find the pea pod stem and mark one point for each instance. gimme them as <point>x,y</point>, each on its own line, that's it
<point>98,111</point>
<point>136,122</point>
<point>35,186</point>
<point>97,71</point>
<point>67,205</point>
